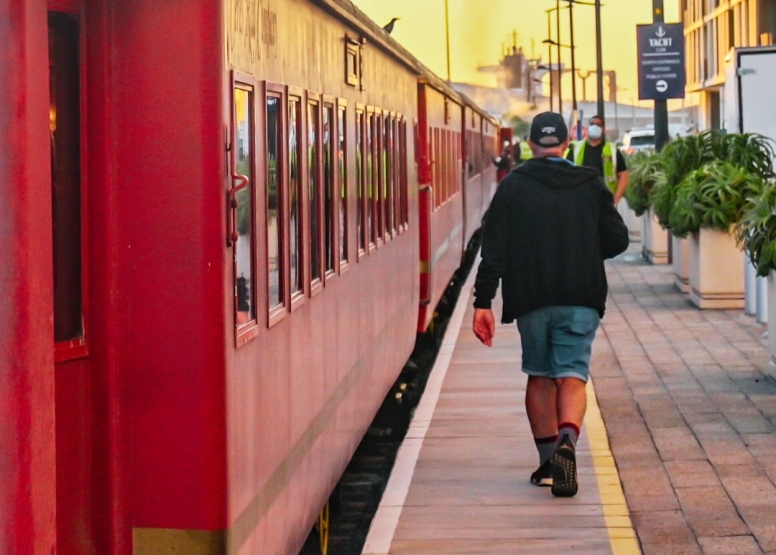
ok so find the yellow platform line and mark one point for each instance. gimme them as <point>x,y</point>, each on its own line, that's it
<point>622,535</point>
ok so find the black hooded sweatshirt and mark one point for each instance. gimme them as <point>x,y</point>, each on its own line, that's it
<point>548,231</point>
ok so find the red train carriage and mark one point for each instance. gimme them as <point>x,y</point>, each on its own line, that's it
<point>440,160</point>
<point>232,285</point>
<point>480,146</point>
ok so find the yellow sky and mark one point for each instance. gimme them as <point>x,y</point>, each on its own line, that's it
<point>479,28</point>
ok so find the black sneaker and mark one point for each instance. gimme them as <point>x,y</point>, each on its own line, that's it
<point>564,469</point>
<point>543,475</point>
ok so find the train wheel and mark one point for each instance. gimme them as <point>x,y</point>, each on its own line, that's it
<point>323,529</point>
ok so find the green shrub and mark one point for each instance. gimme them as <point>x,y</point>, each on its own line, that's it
<point>757,230</point>
<point>645,171</point>
<point>714,197</point>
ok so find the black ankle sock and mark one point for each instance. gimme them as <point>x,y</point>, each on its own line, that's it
<point>546,447</point>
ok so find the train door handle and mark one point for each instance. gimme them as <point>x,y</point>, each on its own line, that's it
<point>240,182</point>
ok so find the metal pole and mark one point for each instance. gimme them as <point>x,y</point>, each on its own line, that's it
<point>661,106</point>
<point>599,59</point>
<point>574,113</point>
<point>549,47</point>
<point>560,65</point>
<point>447,31</point>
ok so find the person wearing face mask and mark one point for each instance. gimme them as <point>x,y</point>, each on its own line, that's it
<point>596,152</point>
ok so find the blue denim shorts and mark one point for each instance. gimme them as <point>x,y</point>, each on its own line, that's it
<point>558,341</point>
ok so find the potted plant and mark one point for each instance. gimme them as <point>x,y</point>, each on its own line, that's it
<point>645,172</point>
<point>757,233</point>
<point>709,202</point>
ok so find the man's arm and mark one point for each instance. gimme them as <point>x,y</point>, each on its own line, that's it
<point>493,264</point>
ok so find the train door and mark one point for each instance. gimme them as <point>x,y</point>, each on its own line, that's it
<point>72,377</point>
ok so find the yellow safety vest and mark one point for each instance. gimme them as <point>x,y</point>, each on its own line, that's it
<point>525,151</point>
<point>610,169</point>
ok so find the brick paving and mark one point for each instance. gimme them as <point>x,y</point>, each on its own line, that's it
<point>690,409</point>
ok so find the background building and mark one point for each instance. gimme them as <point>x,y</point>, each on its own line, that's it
<point>712,28</point>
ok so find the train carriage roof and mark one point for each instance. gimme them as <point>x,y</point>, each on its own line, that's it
<point>348,12</point>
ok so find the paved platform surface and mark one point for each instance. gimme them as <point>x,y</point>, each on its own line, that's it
<point>683,461</point>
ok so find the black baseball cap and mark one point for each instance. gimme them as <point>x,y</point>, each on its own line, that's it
<point>549,129</point>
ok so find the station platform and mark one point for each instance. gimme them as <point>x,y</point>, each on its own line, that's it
<point>677,453</point>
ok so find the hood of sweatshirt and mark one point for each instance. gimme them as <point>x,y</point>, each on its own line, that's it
<point>556,173</point>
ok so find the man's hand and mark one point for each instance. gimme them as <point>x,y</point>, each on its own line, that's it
<point>484,325</point>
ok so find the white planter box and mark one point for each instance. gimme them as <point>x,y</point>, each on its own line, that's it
<point>680,251</point>
<point>654,239</point>
<point>631,220</point>
<point>716,270</point>
<point>772,316</point>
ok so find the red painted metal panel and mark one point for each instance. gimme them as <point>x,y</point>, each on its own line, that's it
<point>168,143</point>
<point>27,450</point>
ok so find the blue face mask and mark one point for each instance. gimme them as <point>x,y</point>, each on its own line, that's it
<point>595,132</point>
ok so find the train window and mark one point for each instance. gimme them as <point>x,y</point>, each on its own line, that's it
<point>275,209</point>
<point>329,189</point>
<point>404,185</point>
<point>379,197</point>
<point>244,221</point>
<point>389,175</point>
<point>296,269</point>
<point>361,179</point>
<point>396,172</point>
<point>371,174</point>
<point>314,203</point>
<point>342,159</point>
<point>65,140</point>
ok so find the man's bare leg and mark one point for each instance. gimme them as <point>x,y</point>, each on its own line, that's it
<point>540,403</point>
<point>572,401</point>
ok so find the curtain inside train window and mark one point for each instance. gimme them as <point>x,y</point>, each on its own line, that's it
<point>65,134</point>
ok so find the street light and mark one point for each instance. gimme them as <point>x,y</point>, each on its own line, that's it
<point>558,45</point>
<point>447,32</point>
<point>575,108</point>
<point>549,47</point>
<point>599,59</point>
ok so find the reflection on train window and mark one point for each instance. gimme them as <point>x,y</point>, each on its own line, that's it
<point>404,187</point>
<point>387,173</point>
<point>314,198</point>
<point>394,175</point>
<point>342,159</point>
<point>361,157</point>
<point>274,203</point>
<point>295,194</point>
<point>379,196</point>
<point>243,160</point>
<point>330,193</point>
<point>371,172</point>
<point>65,127</point>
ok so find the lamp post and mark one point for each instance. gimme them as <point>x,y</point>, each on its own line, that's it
<point>560,65</point>
<point>447,32</point>
<point>661,106</point>
<point>560,71</point>
<point>575,111</point>
<point>599,60</point>
<point>549,48</point>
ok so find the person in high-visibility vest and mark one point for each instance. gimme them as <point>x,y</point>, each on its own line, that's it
<point>596,152</point>
<point>522,150</point>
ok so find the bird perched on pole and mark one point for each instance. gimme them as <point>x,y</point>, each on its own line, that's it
<point>389,28</point>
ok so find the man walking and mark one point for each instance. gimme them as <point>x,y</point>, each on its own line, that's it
<point>598,153</point>
<point>549,228</point>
